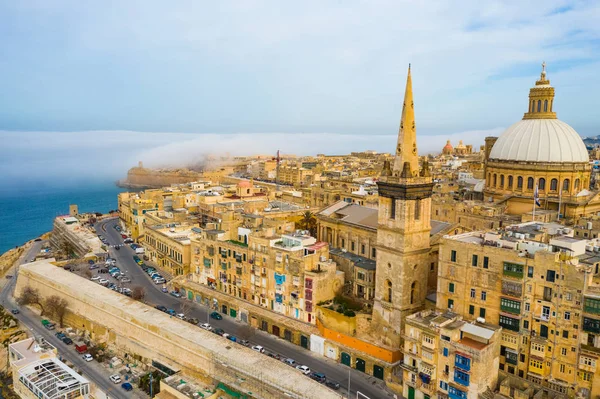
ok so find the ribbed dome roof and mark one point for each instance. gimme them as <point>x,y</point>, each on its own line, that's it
<point>540,140</point>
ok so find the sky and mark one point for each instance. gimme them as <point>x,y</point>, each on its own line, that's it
<point>172,80</point>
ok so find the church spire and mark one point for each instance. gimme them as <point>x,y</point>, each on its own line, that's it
<point>541,99</point>
<point>406,163</point>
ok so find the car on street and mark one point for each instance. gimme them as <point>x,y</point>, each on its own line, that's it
<point>332,384</point>
<point>60,335</point>
<point>290,362</point>
<point>319,377</point>
<point>303,369</point>
<point>171,312</point>
<point>176,294</point>
<point>50,326</point>
<point>164,289</point>
<point>67,341</point>
<point>15,311</point>
<point>87,357</point>
<point>160,280</point>
<point>180,316</point>
<point>115,378</point>
<point>103,281</point>
<point>214,315</point>
<point>192,320</point>
<point>258,348</point>
<point>126,280</point>
<point>117,247</point>
<point>124,236</point>
<point>161,308</point>
<point>219,331</point>
<point>206,326</point>
<point>244,342</point>
<point>127,386</point>
<point>232,338</point>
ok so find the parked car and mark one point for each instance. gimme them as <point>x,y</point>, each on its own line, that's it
<point>219,331</point>
<point>303,369</point>
<point>124,236</point>
<point>160,280</point>
<point>94,266</point>
<point>193,320</point>
<point>60,335</point>
<point>171,312</point>
<point>290,362</point>
<point>232,338</point>
<point>180,316</point>
<point>50,326</point>
<point>87,357</point>
<point>164,289</point>
<point>115,378</point>
<point>258,348</point>
<point>67,340</point>
<point>126,280</point>
<point>213,315</point>
<point>319,377</point>
<point>117,247</point>
<point>176,294</point>
<point>332,384</point>
<point>244,342</point>
<point>127,386</point>
<point>161,308</point>
<point>15,311</point>
<point>206,326</point>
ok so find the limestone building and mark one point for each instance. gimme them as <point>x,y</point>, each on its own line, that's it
<point>403,231</point>
<point>544,152</point>
<point>540,284</point>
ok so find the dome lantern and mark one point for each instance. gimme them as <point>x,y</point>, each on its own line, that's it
<point>541,99</point>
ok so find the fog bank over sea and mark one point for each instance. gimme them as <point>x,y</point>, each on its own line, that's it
<point>41,173</point>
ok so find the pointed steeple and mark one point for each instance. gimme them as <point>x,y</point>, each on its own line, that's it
<point>407,158</point>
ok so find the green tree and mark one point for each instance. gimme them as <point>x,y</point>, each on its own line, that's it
<point>308,222</point>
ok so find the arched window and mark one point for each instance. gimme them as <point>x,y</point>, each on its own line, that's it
<point>566,184</point>
<point>510,181</point>
<point>553,185</point>
<point>388,284</point>
<point>501,181</point>
<point>539,106</point>
<point>532,105</point>
<point>530,183</point>
<point>576,185</point>
<point>495,179</point>
<point>545,105</point>
<point>542,183</point>
<point>490,179</point>
<point>520,182</point>
<point>413,292</point>
<point>551,101</point>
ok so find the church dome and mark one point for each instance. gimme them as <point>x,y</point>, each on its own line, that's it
<point>539,136</point>
<point>540,140</point>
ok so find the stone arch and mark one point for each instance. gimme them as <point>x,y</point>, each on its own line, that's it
<point>388,286</point>
<point>413,292</point>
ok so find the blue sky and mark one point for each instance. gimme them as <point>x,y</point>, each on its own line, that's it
<point>292,67</point>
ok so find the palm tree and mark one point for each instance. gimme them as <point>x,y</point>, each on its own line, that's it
<point>308,222</point>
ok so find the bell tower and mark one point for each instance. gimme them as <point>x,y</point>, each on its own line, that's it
<point>403,229</point>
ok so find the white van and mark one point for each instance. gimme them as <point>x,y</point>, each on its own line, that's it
<point>139,250</point>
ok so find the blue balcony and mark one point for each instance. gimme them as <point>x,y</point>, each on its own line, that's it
<point>463,363</point>
<point>461,378</point>
<point>454,393</point>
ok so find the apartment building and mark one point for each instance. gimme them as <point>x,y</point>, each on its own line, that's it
<point>447,357</point>
<point>541,285</point>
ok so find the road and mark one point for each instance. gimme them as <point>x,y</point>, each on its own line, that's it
<point>91,370</point>
<point>365,384</point>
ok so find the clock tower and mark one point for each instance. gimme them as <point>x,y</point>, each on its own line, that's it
<point>403,229</point>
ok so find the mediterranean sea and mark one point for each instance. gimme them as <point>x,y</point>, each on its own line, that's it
<point>28,210</point>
